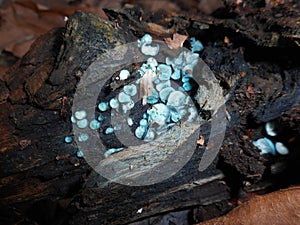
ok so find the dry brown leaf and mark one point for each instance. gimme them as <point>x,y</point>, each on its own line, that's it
<point>24,21</point>
<point>176,42</point>
<point>201,140</point>
<point>277,208</point>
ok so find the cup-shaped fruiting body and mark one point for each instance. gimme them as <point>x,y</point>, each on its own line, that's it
<point>82,137</point>
<point>159,114</point>
<point>129,121</point>
<point>265,145</point>
<point>187,86</point>
<point>140,132</point>
<point>82,123</point>
<point>143,123</point>
<point>152,63</point>
<point>176,74</point>
<point>130,89</point>
<point>100,118</point>
<point>94,124</point>
<point>114,104</point>
<point>124,98</point>
<point>145,45</point>
<point>165,93</point>
<point>161,85</point>
<point>176,98</point>
<point>109,130</point>
<point>68,139</point>
<point>281,148</point>
<point>124,74</point>
<point>103,106</point>
<point>196,46</point>
<point>164,72</point>
<point>146,39</point>
<point>79,154</point>
<point>79,115</point>
<point>270,129</point>
<point>111,151</point>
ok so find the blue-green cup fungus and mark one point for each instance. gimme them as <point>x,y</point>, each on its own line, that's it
<point>176,98</point>
<point>94,125</point>
<point>103,106</point>
<point>140,132</point>
<point>265,145</point>
<point>164,72</point>
<point>145,45</point>
<point>130,89</point>
<point>176,74</point>
<point>165,93</point>
<point>109,130</point>
<point>79,115</point>
<point>82,137</point>
<point>196,46</point>
<point>114,104</point>
<point>79,154</point>
<point>82,123</point>
<point>68,139</point>
<point>124,74</point>
<point>123,98</point>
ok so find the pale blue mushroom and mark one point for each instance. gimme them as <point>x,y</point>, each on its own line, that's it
<point>100,118</point>
<point>153,98</point>
<point>124,74</point>
<point>130,90</point>
<point>152,63</point>
<point>109,130</point>
<point>159,114</point>
<point>80,114</point>
<point>68,139</point>
<point>164,72</point>
<point>79,154</point>
<point>94,124</point>
<point>103,106</point>
<point>161,85</point>
<point>281,148</point>
<point>196,46</point>
<point>114,103</point>
<point>140,132</point>
<point>129,121</point>
<point>265,145</point>
<point>82,123</point>
<point>83,137</point>
<point>176,74</point>
<point>150,50</point>
<point>187,86</point>
<point>112,151</point>
<point>164,93</point>
<point>143,123</point>
<point>176,98</point>
<point>73,119</point>
<point>146,39</point>
<point>127,106</point>
<point>124,98</point>
<point>145,45</point>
